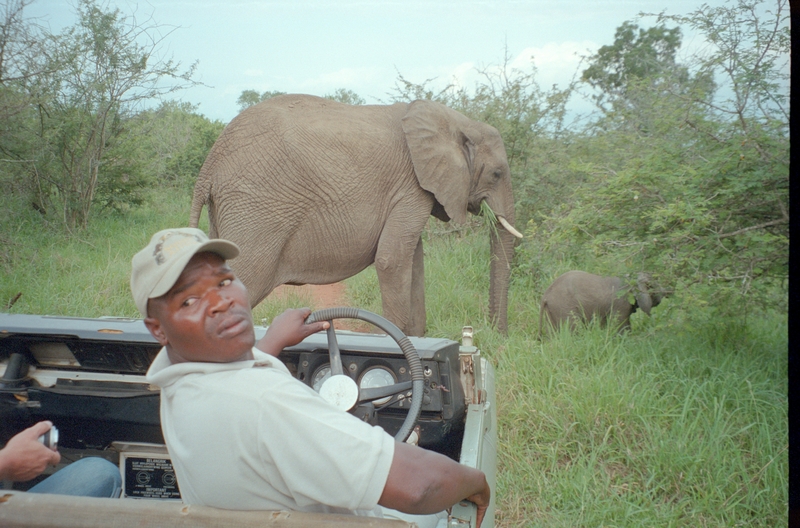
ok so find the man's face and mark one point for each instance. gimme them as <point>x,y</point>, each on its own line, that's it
<point>205,316</point>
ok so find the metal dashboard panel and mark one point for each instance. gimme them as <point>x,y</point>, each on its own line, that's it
<point>113,354</point>
<point>126,330</point>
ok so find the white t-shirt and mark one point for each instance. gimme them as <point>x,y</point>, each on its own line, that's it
<point>248,436</point>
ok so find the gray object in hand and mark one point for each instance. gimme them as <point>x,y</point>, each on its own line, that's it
<point>50,438</point>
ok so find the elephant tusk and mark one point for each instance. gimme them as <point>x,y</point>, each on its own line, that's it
<point>509,227</point>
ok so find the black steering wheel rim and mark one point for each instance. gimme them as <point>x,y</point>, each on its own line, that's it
<point>410,353</point>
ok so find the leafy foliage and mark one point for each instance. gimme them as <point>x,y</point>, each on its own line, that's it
<point>177,139</point>
<point>684,180</point>
<point>249,98</point>
<point>19,46</point>
<point>530,120</point>
<point>636,54</point>
<point>345,96</point>
<point>88,80</point>
<point>161,147</point>
<point>682,172</point>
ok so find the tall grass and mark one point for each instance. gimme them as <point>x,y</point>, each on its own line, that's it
<point>85,273</point>
<point>681,422</point>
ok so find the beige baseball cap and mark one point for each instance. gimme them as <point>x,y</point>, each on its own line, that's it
<point>158,266</point>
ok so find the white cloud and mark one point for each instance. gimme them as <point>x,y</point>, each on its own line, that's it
<point>348,78</point>
<point>556,62</point>
<point>463,75</point>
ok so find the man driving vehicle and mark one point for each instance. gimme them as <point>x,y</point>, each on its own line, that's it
<point>242,432</point>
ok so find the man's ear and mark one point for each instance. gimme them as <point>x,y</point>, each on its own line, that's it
<point>154,325</point>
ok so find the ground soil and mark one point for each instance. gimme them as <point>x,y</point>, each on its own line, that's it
<point>325,296</point>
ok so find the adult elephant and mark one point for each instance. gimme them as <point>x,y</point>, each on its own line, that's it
<point>314,191</point>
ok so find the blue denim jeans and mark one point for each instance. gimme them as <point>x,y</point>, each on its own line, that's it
<point>88,477</point>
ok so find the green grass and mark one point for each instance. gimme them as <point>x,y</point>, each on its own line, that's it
<point>83,272</point>
<point>681,422</point>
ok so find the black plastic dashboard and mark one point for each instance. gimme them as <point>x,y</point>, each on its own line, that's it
<point>87,376</point>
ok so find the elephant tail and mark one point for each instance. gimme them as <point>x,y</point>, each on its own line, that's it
<point>542,308</point>
<point>201,196</point>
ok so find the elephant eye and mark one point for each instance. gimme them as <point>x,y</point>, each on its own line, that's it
<point>497,175</point>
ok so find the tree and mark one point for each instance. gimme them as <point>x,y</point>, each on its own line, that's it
<point>700,194</point>
<point>97,73</point>
<point>635,55</point>
<point>749,48</point>
<point>249,98</point>
<point>346,96</point>
<point>18,47</point>
<point>407,91</point>
<point>192,136</point>
<point>530,121</point>
<point>632,76</point>
<point>164,147</point>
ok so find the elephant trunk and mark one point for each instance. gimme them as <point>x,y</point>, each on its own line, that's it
<point>502,253</point>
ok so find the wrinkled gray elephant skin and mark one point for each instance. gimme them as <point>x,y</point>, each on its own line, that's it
<point>578,297</point>
<point>314,191</point>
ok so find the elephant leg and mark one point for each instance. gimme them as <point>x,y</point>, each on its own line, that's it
<point>620,315</point>
<point>576,317</point>
<point>622,320</point>
<point>394,263</point>
<point>553,319</point>
<point>258,270</point>
<point>418,315</point>
<point>574,321</point>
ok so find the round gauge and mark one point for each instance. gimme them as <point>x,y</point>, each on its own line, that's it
<point>320,375</point>
<point>377,377</point>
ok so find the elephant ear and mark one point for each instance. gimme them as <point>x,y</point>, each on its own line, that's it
<point>442,154</point>
<point>644,301</point>
<point>643,298</point>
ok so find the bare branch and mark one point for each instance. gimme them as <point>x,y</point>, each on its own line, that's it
<point>759,226</point>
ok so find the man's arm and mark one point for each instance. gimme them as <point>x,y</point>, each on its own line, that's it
<point>288,329</point>
<point>24,457</point>
<point>424,482</point>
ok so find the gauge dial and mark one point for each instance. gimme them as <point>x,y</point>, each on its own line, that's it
<point>377,377</point>
<point>320,375</point>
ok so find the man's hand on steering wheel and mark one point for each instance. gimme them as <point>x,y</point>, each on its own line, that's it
<point>288,329</point>
<point>343,391</point>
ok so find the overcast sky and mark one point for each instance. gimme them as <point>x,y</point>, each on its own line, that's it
<point>318,46</point>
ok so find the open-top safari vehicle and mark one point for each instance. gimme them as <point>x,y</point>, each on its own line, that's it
<point>88,377</point>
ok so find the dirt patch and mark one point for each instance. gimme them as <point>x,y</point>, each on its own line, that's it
<point>325,296</point>
<point>322,295</point>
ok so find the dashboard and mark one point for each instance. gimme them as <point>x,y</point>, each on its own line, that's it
<point>87,376</point>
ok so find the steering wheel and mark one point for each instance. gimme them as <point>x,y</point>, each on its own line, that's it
<point>341,390</point>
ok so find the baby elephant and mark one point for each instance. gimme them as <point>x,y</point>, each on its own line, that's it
<point>577,296</point>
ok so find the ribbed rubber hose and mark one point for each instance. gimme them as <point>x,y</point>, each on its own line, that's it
<point>414,363</point>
